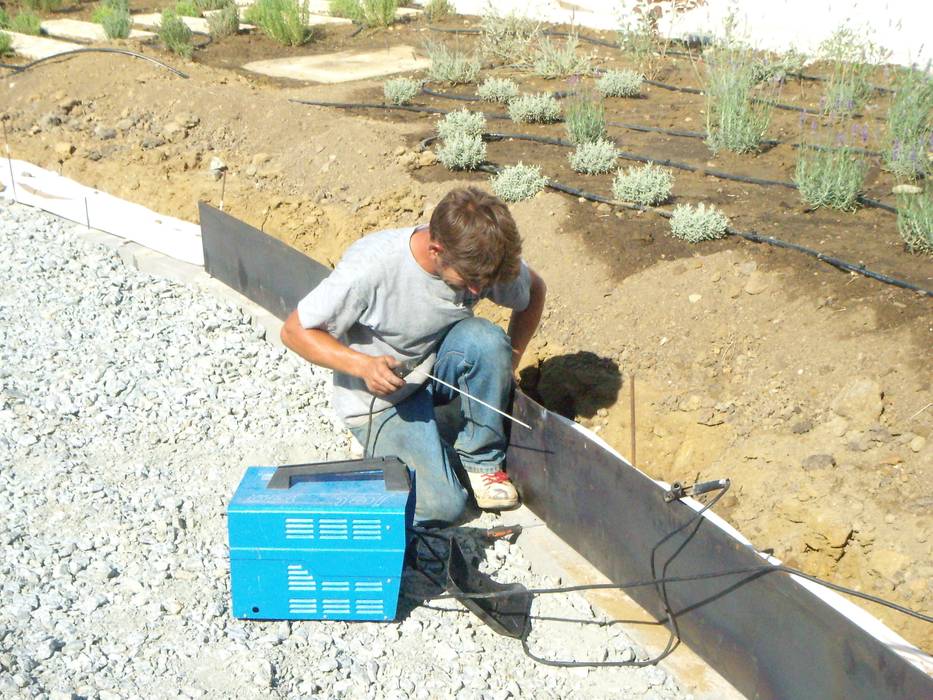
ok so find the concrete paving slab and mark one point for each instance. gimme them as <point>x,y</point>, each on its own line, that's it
<point>87,31</point>
<point>342,66</point>
<point>36,47</point>
<point>317,20</point>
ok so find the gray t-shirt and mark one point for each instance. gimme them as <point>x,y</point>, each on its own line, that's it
<point>380,301</point>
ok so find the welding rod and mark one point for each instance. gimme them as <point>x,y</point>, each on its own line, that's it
<point>450,386</point>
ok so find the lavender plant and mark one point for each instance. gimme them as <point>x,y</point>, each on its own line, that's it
<point>175,35</point>
<point>593,157</point>
<point>187,8</point>
<point>500,90</point>
<point>537,108</point>
<point>462,151</point>
<point>6,44</point>
<point>518,182</point>
<point>509,38</point>
<point>853,56</point>
<point>830,167</point>
<point>695,224</point>
<point>451,66</point>
<point>647,184</point>
<point>910,125</point>
<point>225,21</point>
<point>620,83</point>
<point>915,220</point>
<point>462,122</point>
<point>734,121</point>
<point>284,21</point>
<point>401,91</point>
<point>435,10</point>
<point>552,61</point>
<point>117,23</point>
<point>26,22</point>
<point>584,117</point>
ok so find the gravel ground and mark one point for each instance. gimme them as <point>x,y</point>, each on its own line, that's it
<point>129,408</point>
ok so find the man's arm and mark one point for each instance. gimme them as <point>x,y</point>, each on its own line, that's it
<point>523,324</point>
<point>320,347</point>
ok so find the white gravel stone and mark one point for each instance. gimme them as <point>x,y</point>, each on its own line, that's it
<point>129,408</point>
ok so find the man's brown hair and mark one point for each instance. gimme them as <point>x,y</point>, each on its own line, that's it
<point>479,236</point>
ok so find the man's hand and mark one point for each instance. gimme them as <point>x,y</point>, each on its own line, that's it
<point>378,375</point>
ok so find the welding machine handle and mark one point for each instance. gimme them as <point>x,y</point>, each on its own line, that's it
<point>394,472</point>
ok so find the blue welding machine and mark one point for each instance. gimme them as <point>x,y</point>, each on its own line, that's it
<point>320,541</point>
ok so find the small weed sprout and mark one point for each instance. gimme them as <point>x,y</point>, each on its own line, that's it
<point>187,8</point>
<point>349,9</point>
<point>451,66</point>
<point>540,108</point>
<point>225,22</point>
<point>648,184</point>
<point>436,10</point>
<point>462,151</point>
<point>517,182</point>
<point>6,44</point>
<point>175,35</point>
<point>733,121</point>
<point>620,83</point>
<point>462,122</point>
<point>401,91</point>
<point>830,169</point>
<point>500,90</point>
<point>853,57</point>
<point>26,22</point>
<point>509,38</point>
<point>284,21</point>
<point>584,118</point>
<point>594,157</point>
<point>695,224</point>
<point>117,23</point>
<point>915,221</point>
<point>551,61</point>
<point>910,129</point>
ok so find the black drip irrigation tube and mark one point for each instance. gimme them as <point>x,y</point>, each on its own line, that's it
<point>625,155</point>
<point>74,52</point>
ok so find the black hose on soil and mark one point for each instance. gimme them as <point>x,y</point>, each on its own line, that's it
<point>625,155</point>
<point>74,52</point>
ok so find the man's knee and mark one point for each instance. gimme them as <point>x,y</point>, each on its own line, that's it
<point>487,340</point>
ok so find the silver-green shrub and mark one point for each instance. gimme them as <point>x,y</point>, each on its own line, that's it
<point>401,91</point>
<point>695,224</point>
<point>552,61</point>
<point>594,157</point>
<point>537,108</point>
<point>915,220</point>
<point>175,35</point>
<point>517,182</point>
<point>910,124</point>
<point>830,175</point>
<point>647,184</point>
<point>734,121</point>
<point>462,151</point>
<point>500,90</point>
<point>462,121</point>
<point>225,21</point>
<point>451,66</point>
<point>853,57</point>
<point>620,83</point>
<point>116,23</point>
<point>509,38</point>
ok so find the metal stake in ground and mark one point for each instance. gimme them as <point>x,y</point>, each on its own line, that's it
<point>9,159</point>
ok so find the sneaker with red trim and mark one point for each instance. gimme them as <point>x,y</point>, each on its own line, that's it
<point>493,491</point>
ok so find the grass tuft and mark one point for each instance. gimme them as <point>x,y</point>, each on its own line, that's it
<point>915,221</point>
<point>695,224</point>
<point>451,66</point>
<point>462,151</point>
<point>400,91</point>
<point>284,21</point>
<point>552,61</point>
<point>538,108</point>
<point>518,182</point>
<point>647,184</point>
<point>620,83</point>
<point>225,22</point>
<point>594,157</point>
<point>175,35</point>
<point>500,90</point>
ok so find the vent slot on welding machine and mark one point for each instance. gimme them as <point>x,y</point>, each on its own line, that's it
<point>299,528</point>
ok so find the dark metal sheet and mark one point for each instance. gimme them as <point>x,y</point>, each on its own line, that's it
<point>255,264</point>
<point>767,635</point>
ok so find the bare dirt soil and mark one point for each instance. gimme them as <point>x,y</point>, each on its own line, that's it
<point>809,388</point>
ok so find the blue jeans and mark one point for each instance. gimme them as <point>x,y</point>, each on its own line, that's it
<point>476,356</point>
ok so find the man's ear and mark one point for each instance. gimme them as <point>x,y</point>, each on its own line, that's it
<point>435,248</point>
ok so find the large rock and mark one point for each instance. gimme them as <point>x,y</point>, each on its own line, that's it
<point>860,402</point>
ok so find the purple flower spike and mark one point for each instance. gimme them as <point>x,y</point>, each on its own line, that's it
<point>840,139</point>
<point>864,134</point>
